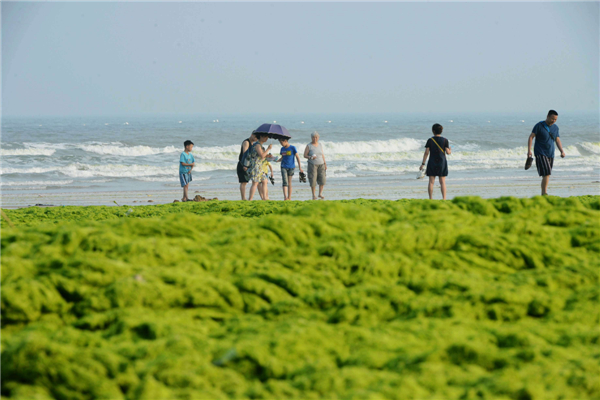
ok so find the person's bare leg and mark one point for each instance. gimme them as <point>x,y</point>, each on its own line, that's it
<point>289,196</point>
<point>261,192</point>
<point>285,192</point>
<point>266,190</point>
<point>545,181</point>
<point>243,190</point>
<point>430,187</point>
<point>443,185</point>
<point>313,192</point>
<point>253,190</point>
<point>321,192</point>
<point>185,192</point>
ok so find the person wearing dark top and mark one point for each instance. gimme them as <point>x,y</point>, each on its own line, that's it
<point>241,170</point>
<point>437,147</point>
<point>545,134</point>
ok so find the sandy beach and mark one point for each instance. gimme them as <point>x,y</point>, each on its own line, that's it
<point>113,112</point>
<point>389,189</point>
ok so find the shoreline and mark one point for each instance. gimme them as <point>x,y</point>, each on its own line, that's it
<point>384,190</point>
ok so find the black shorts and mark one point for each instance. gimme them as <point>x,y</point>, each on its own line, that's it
<point>437,168</point>
<point>544,165</point>
<point>242,175</point>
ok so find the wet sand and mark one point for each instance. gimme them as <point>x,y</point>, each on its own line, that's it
<point>391,189</point>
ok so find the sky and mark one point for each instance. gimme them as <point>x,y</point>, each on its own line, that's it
<point>138,58</point>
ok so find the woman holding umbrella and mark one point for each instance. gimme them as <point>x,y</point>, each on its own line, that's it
<point>264,132</point>
<point>256,171</point>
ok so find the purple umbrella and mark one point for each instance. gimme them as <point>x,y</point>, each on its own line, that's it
<point>274,131</point>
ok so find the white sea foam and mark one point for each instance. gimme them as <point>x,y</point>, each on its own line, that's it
<point>374,149</point>
<point>36,183</point>
<point>44,145</point>
<point>372,146</point>
<point>346,159</point>
<point>79,170</point>
<point>405,149</point>
<point>223,153</point>
<point>167,179</point>
<point>574,169</point>
<point>27,152</point>
<point>34,170</point>
<point>126,151</point>
<point>339,171</point>
<point>589,148</point>
<point>99,181</point>
<point>387,169</point>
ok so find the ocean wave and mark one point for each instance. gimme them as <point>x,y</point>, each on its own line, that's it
<point>372,146</point>
<point>572,169</point>
<point>37,183</point>
<point>34,170</point>
<point>589,148</point>
<point>78,170</point>
<point>45,145</point>
<point>374,150</point>
<point>387,169</point>
<point>167,179</point>
<point>126,151</point>
<point>27,152</point>
<point>335,175</point>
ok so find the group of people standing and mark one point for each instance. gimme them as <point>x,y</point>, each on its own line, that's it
<point>544,132</point>
<point>254,161</point>
<point>254,166</point>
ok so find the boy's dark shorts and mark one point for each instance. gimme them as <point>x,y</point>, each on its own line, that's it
<point>242,175</point>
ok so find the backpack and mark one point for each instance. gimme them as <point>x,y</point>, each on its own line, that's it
<point>245,158</point>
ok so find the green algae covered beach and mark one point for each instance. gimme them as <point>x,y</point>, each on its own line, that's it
<point>410,299</point>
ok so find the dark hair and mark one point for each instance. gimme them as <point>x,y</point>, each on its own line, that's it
<point>437,129</point>
<point>187,143</point>
<point>552,112</point>
<point>260,135</point>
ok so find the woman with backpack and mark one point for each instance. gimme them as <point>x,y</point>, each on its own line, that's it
<point>242,171</point>
<point>438,164</point>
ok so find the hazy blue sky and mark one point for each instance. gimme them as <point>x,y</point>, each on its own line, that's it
<point>107,58</point>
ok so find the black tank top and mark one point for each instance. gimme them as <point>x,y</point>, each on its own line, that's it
<point>242,150</point>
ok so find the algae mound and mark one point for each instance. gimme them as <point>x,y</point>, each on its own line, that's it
<point>466,299</point>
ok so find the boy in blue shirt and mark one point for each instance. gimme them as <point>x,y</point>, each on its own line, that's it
<point>186,164</point>
<point>288,152</point>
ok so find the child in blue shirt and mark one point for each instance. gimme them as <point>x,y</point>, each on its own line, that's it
<point>288,152</point>
<point>186,164</point>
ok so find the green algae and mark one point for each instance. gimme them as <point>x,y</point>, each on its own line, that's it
<point>465,299</point>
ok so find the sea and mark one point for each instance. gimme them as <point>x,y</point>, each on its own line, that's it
<point>92,160</point>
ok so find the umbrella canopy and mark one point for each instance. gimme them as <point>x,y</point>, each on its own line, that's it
<point>274,131</point>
